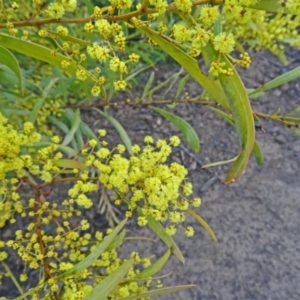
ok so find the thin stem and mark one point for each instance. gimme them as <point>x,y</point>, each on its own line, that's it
<point>13,278</point>
<point>123,17</point>
<point>278,119</point>
<point>139,238</point>
<point>40,240</point>
<point>125,103</point>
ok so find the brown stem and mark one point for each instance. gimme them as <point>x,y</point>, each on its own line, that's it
<point>278,119</point>
<point>123,17</point>
<point>156,102</point>
<point>40,239</point>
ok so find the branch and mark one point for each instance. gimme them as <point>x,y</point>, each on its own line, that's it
<point>128,103</point>
<point>123,17</point>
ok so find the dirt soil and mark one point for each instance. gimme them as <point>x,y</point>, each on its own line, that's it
<point>256,219</point>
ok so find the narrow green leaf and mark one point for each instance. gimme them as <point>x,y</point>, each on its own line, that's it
<point>90,6</point>
<point>61,125</point>
<point>296,131</point>
<point>217,29</point>
<point>225,116</point>
<point>69,151</point>
<point>291,119</point>
<point>275,112</point>
<point>181,85</point>
<point>241,112</point>
<point>279,80</point>
<point>107,285</point>
<point>213,88</point>
<point>240,109</point>
<point>293,112</point>
<point>259,157</point>
<point>218,163</point>
<point>68,164</point>
<point>159,86</point>
<point>120,129</point>
<point>74,127</point>
<point>257,150</point>
<point>88,260</point>
<point>8,59</point>
<point>186,129</point>
<point>160,231</point>
<point>134,74</point>
<point>14,111</point>
<point>174,80</point>
<point>86,130</point>
<point>70,38</point>
<point>117,241</point>
<point>79,138</point>
<point>148,85</point>
<point>159,292</point>
<point>39,103</point>
<point>243,119</point>
<point>154,268</point>
<point>273,6</point>
<point>254,95</point>
<point>203,223</point>
<point>42,53</point>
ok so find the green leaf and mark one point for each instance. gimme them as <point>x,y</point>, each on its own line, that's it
<point>61,125</point>
<point>218,163</point>
<point>241,112</point>
<point>120,129</point>
<point>88,260</point>
<point>42,53</point>
<point>8,59</point>
<point>243,119</point>
<point>117,241</point>
<point>69,151</point>
<point>293,112</point>
<point>68,164</point>
<point>203,223</point>
<point>174,78</point>
<point>74,127</point>
<point>159,292</point>
<point>70,38</point>
<point>217,29</point>
<point>86,130</point>
<point>280,80</point>
<point>160,86</point>
<point>160,231</point>
<point>259,157</point>
<point>213,88</point>
<point>148,85</point>
<point>109,283</point>
<point>39,103</point>
<point>79,138</point>
<point>181,85</point>
<point>154,268</point>
<point>185,128</point>
<point>257,151</point>
<point>225,116</point>
<point>273,6</point>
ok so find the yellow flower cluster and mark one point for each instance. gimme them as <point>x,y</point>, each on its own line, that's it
<point>11,158</point>
<point>217,68</point>
<point>58,9</point>
<point>259,29</point>
<point>144,182</point>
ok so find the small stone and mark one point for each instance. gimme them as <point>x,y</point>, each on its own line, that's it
<point>280,139</point>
